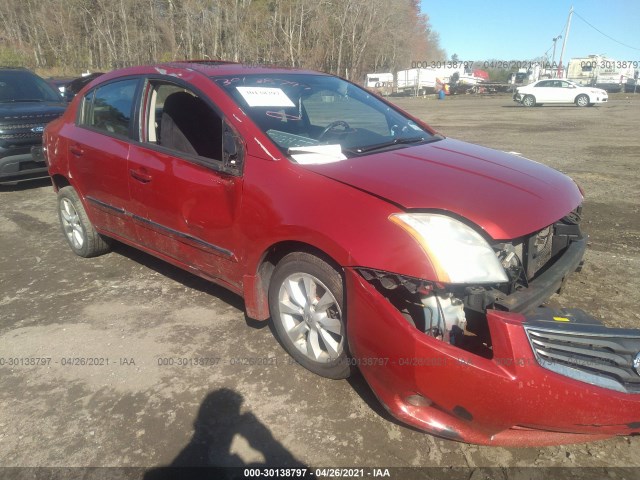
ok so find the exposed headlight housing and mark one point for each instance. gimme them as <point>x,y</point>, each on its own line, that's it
<point>458,253</point>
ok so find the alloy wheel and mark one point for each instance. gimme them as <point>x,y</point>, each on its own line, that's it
<point>71,224</point>
<point>311,317</point>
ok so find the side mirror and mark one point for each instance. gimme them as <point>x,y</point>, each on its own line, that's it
<point>232,151</point>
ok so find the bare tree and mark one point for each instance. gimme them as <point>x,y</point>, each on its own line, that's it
<point>346,37</point>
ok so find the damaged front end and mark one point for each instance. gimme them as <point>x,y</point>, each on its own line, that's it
<point>483,363</point>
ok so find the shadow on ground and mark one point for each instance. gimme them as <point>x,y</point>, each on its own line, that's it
<point>226,441</point>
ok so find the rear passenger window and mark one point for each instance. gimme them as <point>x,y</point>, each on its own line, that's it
<point>109,108</point>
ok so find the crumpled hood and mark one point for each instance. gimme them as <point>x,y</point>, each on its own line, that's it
<point>506,195</point>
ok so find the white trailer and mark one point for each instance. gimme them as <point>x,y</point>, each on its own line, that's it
<point>380,83</point>
<point>420,81</point>
<point>602,72</point>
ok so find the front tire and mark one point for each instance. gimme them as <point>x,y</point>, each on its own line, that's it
<point>83,239</point>
<point>306,302</point>
<point>582,100</point>
<point>529,101</point>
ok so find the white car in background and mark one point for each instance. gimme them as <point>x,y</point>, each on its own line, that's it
<point>559,91</point>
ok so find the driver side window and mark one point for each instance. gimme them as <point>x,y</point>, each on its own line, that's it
<point>179,120</point>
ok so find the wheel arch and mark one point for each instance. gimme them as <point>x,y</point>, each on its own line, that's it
<point>256,285</point>
<point>59,181</point>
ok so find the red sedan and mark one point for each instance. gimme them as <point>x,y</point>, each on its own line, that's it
<point>369,240</point>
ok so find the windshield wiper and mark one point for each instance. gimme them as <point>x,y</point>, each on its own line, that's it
<point>391,143</point>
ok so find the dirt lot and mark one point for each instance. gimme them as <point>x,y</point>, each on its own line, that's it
<point>136,315</point>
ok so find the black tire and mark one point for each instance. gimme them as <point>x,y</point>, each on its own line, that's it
<point>582,100</point>
<point>529,101</point>
<point>83,239</point>
<point>316,339</point>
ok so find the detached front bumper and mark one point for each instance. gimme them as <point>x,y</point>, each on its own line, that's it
<point>516,398</point>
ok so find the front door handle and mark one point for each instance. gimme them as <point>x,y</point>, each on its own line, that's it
<point>140,175</point>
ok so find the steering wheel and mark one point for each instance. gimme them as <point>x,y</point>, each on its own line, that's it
<point>332,126</point>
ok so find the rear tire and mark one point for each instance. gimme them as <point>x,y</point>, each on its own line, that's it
<point>529,101</point>
<point>83,239</point>
<point>306,302</point>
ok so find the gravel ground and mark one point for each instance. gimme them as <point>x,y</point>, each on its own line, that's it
<point>135,317</point>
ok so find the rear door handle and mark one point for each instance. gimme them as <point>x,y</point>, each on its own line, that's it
<point>140,175</point>
<point>76,150</point>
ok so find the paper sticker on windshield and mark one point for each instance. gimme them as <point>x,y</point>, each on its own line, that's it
<point>317,154</point>
<point>265,97</point>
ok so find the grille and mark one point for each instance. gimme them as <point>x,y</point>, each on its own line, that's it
<point>539,250</point>
<point>600,356</point>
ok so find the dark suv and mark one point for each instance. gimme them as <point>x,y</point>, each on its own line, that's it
<point>27,104</point>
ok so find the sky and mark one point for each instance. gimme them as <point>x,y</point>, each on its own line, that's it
<point>501,30</point>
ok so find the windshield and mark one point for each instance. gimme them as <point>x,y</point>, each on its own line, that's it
<point>316,118</point>
<point>24,86</point>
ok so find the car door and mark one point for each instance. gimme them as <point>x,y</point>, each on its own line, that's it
<point>185,181</point>
<point>566,92</point>
<point>558,94</point>
<point>543,91</point>
<point>98,151</point>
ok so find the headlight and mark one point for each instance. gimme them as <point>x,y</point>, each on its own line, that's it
<point>457,252</point>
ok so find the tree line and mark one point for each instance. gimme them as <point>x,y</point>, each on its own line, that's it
<point>343,37</point>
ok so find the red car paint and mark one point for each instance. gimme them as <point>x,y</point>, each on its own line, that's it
<point>465,179</point>
<point>508,400</point>
<point>342,210</point>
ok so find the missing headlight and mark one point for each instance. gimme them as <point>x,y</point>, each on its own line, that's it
<point>439,312</point>
<point>444,316</point>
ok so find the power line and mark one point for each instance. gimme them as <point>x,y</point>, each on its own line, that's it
<point>602,33</point>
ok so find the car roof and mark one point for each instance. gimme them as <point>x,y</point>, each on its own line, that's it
<point>219,67</point>
<point>210,68</point>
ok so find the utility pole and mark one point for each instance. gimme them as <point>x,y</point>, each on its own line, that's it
<point>553,57</point>
<point>564,42</point>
